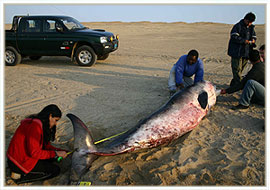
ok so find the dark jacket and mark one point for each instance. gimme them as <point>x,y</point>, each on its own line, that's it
<point>256,73</point>
<point>239,34</point>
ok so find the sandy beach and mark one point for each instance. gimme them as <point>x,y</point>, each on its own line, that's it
<point>226,149</point>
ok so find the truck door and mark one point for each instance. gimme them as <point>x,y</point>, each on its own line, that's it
<point>56,42</point>
<point>29,37</point>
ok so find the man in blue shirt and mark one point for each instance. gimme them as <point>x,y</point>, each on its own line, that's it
<point>182,71</point>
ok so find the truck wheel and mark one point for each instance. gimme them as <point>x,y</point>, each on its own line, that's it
<point>12,57</point>
<point>35,57</point>
<point>103,57</point>
<point>85,56</point>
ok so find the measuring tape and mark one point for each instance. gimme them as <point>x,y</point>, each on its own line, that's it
<point>102,140</point>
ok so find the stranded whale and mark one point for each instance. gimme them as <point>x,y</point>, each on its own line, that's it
<point>179,115</point>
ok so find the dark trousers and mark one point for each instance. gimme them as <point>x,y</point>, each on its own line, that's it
<point>238,66</point>
<point>44,169</point>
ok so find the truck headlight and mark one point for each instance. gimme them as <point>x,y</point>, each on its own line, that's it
<point>103,39</point>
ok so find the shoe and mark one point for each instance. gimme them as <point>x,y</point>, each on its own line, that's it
<point>15,176</point>
<point>239,107</point>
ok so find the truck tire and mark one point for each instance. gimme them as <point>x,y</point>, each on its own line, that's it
<point>85,56</point>
<point>12,56</point>
<point>103,57</point>
<point>35,57</point>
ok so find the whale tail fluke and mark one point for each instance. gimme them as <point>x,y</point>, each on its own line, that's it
<point>83,146</point>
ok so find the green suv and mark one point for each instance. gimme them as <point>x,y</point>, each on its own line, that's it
<point>37,36</point>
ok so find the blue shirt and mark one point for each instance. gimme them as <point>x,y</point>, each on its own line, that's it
<point>183,68</point>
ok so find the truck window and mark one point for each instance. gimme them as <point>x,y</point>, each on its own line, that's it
<point>49,26</point>
<point>30,26</point>
<point>72,24</point>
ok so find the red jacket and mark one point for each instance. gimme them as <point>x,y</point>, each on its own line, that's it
<point>25,148</point>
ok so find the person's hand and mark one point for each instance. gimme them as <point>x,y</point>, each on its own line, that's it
<point>246,42</point>
<point>181,86</point>
<point>223,91</point>
<point>253,41</point>
<point>62,154</point>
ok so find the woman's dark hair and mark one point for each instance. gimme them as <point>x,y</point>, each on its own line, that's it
<point>250,17</point>
<point>43,116</point>
<point>193,53</point>
<point>254,55</point>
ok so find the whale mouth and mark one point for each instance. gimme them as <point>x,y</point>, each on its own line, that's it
<point>218,91</point>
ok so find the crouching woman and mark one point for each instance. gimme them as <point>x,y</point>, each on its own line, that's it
<point>30,155</point>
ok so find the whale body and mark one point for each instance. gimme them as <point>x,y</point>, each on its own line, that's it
<point>179,115</point>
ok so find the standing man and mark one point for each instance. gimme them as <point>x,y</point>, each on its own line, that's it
<point>182,71</point>
<point>243,38</point>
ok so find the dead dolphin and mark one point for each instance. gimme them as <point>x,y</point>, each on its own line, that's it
<point>179,115</point>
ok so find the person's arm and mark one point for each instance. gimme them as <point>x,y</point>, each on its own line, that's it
<point>253,74</point>
<point>34,144</point>
<point>233,89</point>
<point>235,35</point>
<point>179,71</point>
<point>200,72</point>
<point>51,147</point>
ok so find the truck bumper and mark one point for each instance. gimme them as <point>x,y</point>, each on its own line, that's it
<point>102,49</point>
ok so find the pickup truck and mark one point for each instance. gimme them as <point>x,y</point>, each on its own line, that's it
<point>37,36</point>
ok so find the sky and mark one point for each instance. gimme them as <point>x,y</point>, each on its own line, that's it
<point>190,13</point>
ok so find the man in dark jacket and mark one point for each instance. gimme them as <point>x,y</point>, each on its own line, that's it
<point>253,83</point>
<point>243,38</point>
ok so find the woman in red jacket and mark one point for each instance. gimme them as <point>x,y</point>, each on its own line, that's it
<point>30,154</point>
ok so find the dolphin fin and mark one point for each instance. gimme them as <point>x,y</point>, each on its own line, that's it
<point>84,145</point>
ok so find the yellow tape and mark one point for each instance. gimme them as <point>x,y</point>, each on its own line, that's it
<point>85,183</point>
<point>102,140</point>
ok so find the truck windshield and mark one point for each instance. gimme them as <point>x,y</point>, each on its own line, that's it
<point>72,24</point>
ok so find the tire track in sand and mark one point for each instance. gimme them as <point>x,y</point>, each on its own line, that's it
<point>34,101</point>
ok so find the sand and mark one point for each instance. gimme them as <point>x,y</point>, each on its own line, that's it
<point>226,149</point>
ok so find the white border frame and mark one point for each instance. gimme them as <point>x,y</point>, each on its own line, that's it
<point>131,2</point>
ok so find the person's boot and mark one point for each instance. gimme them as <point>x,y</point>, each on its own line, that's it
<point>32,177</point>
<point>240,107</point>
